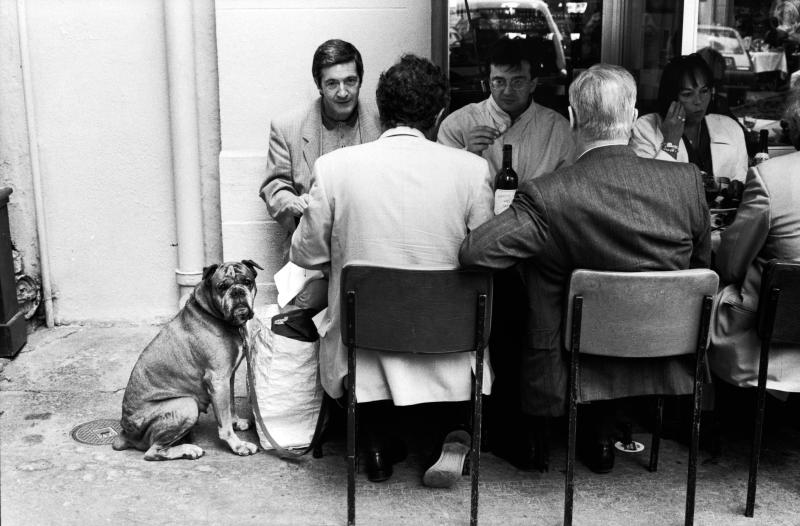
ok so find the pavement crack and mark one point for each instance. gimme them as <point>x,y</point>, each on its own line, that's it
<point>31,348</point>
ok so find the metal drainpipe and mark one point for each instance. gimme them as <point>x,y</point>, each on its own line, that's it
<point>179,28</point>
<point>33,145</point>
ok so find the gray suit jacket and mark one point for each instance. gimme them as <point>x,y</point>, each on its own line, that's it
<point>611,210</point>
<point>294,145</point>
<point>767,226</point>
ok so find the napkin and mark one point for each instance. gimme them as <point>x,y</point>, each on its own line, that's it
<point>291,279</point>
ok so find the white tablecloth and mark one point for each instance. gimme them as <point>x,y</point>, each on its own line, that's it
<point>769,61</point>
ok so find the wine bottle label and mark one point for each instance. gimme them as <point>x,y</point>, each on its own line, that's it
<point>502,200</point>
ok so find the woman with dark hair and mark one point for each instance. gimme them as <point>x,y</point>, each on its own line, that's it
<point>683,130</point>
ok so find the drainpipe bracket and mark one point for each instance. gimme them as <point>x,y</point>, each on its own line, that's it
<point>188,278</point>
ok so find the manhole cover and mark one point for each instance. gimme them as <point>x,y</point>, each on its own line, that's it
<point>96,432</point>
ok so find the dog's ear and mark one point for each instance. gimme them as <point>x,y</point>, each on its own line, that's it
<point>209,271</point>
<point>253,265</point>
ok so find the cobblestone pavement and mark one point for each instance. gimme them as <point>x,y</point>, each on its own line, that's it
<point>74,374</point>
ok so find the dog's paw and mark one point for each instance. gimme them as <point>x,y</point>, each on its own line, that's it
<point>244,449</point>
<point>188,451</point>
<point>191,451</point>
<point>241,424</point>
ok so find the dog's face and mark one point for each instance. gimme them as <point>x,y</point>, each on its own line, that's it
<point>232,287</point>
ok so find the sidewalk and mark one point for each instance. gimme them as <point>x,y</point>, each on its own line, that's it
<point>74,374</point>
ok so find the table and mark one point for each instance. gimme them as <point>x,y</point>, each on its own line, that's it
<point>764,61</point>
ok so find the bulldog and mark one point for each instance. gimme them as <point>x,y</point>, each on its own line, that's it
<point>188,365</point>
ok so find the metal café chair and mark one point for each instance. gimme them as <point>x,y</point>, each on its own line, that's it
<point>421,312</point>
<point>638,315</point>
<point>778,322</point>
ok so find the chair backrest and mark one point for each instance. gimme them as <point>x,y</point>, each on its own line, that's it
<point>783,275</point>
<point>639,314</point>
<point>415,311</point>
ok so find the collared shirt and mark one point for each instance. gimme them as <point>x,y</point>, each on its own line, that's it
<point>338,134</point>
<point>601,144</point>
<point>541,138</point>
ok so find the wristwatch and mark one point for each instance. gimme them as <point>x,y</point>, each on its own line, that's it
<point>670,148</point>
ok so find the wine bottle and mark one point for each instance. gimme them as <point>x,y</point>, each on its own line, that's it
<point>505,183</point>
<point>763,148</point>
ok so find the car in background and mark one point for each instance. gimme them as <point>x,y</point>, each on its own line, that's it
<point>728,43</point>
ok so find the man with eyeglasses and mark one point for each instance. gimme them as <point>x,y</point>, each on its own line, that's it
<point>542,142</point>
<point>335,120</point>
<point>541,137</point>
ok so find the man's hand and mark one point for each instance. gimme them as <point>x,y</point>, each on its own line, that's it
<point>481,137</point>
<point>298,204</point>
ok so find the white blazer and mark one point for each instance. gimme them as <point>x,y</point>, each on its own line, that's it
<point>400,201</point>
<point>728,149</point>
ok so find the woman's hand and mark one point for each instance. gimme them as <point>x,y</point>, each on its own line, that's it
<point>673,123</point>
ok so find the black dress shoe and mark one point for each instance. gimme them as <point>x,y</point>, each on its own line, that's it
<point>523,455</point>
<point>597,455</point>
<point>378,462</point>
<point>377,466</point>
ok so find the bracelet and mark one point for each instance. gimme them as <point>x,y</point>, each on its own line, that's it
<point>670,148</point>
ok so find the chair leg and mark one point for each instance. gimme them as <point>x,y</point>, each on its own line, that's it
<point>475,450</point>
<point>570,480</point>
<point>755,451</point>
<point>477,410</point>
<point>694,444</point>
<point>697,397</point>
<point>569,490</point>
<point>351,443</point>
<point>656,439</point>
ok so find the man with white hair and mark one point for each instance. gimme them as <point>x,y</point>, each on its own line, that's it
<point>611,210</point>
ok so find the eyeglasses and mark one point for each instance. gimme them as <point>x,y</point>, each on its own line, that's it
<point>516,84</point>
<point>333,84</point>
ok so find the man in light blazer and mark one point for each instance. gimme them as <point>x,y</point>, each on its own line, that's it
<point>767,226</point>
<point>400,201</point>
<point>611,210</point>
<point>335,120</point>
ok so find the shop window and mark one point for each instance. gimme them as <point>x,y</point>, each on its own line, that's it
<point>754,49</point>
<point>651,37</point>
<point>571,36</point>
<point>566,34</point>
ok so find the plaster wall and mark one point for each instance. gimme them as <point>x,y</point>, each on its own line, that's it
<point>14,151</point>
<point>265,49</point>
<point>99,84</point>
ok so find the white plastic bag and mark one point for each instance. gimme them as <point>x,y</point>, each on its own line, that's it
<point>287,385</point>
